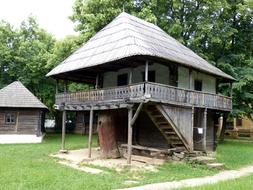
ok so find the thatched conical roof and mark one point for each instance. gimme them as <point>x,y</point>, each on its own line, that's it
<point>128,36</point>
<point>16,95</point>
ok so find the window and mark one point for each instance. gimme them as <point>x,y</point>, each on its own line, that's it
<point>173,75</point>
<point>10,118</point>
<point>198,85</point>
<point>122,79</point>
<point>151,76</point>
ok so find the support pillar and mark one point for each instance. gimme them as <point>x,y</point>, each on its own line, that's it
<point>97,79</point>
<point>130,135</point>
<point>192,126</point>
<point>63,132</point>
<point>90,132</point>
<point>65,87</point>
<point>130,76</point>
<point>190,79</point>
<point>57,87</point>
<point>146,71</point>
<point>204,129</point>
<point>231,89</point>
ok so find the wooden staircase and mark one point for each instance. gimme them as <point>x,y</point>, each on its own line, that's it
<point>166,127</point>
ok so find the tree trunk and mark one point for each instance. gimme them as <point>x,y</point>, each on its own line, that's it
<point>222,135</point>
<point>107,134</point>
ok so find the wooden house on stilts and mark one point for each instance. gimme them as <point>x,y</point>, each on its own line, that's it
<point>149,89</point>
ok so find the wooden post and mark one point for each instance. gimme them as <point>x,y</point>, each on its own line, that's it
<point>63,131</point>
<point>231,89</point>
<point>65,87</point>
<point>130,135</point>
<point>97,79</point>
<point>90,132</point>
<point>57,87</point>
<point>204,129</point>
<point>190,79</point>
<point>216,86</point>
<point>146,71</point>
<point>192,125</point>
<point>130,81</point>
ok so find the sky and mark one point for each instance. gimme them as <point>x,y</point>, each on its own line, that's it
<point>51,15</point>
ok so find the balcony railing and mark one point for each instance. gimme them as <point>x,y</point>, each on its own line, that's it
<point>147,90</point>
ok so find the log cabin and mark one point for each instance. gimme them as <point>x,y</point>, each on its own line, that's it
<point>20,111</point>
<point>149,90</point>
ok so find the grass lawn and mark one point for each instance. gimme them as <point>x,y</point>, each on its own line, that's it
<point>235,153</point>
<point>29,167</point>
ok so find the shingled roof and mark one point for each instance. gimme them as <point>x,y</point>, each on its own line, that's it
<point>128,36</point>
<point>16,95</point>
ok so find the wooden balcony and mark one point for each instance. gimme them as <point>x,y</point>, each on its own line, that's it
<point>145,91</point>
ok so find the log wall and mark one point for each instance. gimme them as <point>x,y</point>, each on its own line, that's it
<point>28,121</point>
<point>82,123</point>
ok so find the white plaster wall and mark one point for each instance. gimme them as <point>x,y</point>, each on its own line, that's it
<point>208,82</point>
<point>183,77</point>
<point>162,75</point>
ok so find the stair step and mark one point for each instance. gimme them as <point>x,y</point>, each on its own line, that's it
<point>158,116</point>
<point>176,143</point>
<point>162,123</point>
<point>155,112</point>
<point>169,133</point>
<point>165,127</point>
<point>174,138</point>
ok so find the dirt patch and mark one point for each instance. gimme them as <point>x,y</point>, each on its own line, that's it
<point>78,159</point>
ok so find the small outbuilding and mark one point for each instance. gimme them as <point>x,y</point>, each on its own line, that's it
<point>20,112</point>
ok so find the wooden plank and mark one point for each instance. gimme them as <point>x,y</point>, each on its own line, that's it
<point>130,135</point>
<point>146,148</point>
<point>172,124</point>
<point>90,132</point>
<point>148,160</point>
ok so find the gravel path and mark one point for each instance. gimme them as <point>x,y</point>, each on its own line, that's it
<point>221,176</point>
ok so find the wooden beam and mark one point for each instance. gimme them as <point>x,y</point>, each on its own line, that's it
<point>97,79</point>
<point>136,114</point>
<point>190,79</point>
<point>90,132</point>
<point>204,128</point>
<point>130,81</point>
<point>146,71</point>
<point>130,135</point>
<point>231,89</point>
<point>63,131</point>
<point>57,86</point>
<point>65,87</point>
